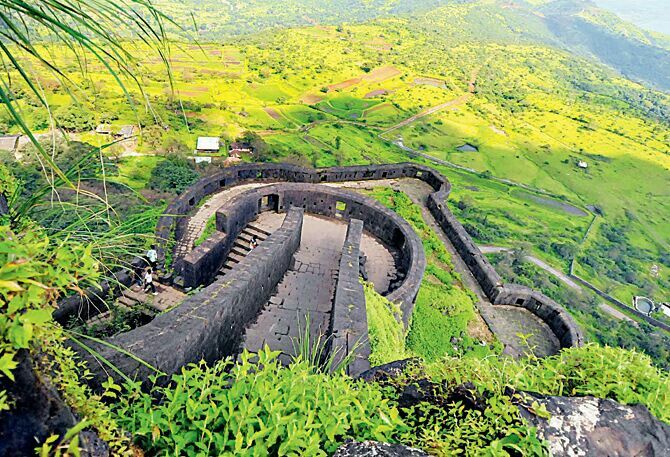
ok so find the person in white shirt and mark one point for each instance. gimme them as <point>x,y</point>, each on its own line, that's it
<point>149,281</point>
<point>152,257</point>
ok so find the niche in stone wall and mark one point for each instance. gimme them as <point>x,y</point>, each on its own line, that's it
<point>340,208</point>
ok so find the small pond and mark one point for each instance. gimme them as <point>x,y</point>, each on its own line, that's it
<point>467,147</point>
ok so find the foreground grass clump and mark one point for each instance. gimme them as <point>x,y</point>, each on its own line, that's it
<point>625,376</point>
<point>385,329</point>
<point>257,408</point>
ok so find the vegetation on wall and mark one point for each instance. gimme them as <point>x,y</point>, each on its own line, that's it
<point>386,333</point>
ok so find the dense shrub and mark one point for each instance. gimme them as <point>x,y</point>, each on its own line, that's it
<point>626,376</point>
<point>257,409</point>
<point>173,175</point>
<point>75,118</point>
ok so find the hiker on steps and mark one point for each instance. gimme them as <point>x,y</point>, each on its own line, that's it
<point>149,281</point>
<point>253,244</point>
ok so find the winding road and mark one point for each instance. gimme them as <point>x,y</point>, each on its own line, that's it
<point>540,263</point>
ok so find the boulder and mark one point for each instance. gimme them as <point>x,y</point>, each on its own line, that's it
<point>588,426</point>
<point>375,449</point>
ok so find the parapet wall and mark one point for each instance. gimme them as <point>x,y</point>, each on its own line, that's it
<point>210,325</point>
<point>279,172</point>
<point>348,319</point>
<point>554,315</point>
<point>201,265</point>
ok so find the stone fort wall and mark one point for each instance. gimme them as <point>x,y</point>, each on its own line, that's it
<point>348,319</point>
<point>548,310</point>
<point>210,325</point>
<point>203,262</point>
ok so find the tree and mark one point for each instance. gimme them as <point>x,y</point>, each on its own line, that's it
<point>173,175</point>
<point>75,118</point>
<point>262,150</point>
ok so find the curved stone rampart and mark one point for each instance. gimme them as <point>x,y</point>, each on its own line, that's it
<point>333,202</point>
<point>549,311</point>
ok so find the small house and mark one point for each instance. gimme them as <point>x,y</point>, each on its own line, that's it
<point>127,131</point>
<point>239,147</point>
<point>582,164</point>
<point>9,142</point>
<point>103,129</point>
<point>207,144</point>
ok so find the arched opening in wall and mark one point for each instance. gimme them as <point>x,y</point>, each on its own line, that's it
<point>222,183</point>
<point>191,202</point>
<point>340,208</point>
<point>520,301</point>
<point>385,174</point>
<point>324,177</point>
<point>269,203</point>
<point>419,174</point>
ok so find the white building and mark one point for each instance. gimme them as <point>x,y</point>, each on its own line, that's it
<point>208,144</point>
<point>582,164</point>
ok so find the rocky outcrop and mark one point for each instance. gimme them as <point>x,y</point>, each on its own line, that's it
<point>38,412</point>
<point>375,449</point>
<point>577,426</point>
<point>588,426</point>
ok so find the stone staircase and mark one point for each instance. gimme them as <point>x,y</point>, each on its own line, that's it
<point>135,296</point>
<point>242,247</point>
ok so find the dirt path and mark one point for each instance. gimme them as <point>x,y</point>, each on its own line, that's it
<point>451,103</point>
<point>472,88</point>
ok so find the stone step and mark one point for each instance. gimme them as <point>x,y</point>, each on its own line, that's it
<point>258,230</point>
<point>247,235</point>
<point>99,318</point>
<point>127,301</point>
<point>244,238</point>
<point>240,252</point>
<point>242,246</point>
<point>236,257</point>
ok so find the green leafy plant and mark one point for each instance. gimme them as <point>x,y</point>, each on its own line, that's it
<point>256,407</point>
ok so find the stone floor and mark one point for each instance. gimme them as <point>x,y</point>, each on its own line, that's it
<point>305,292</point>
